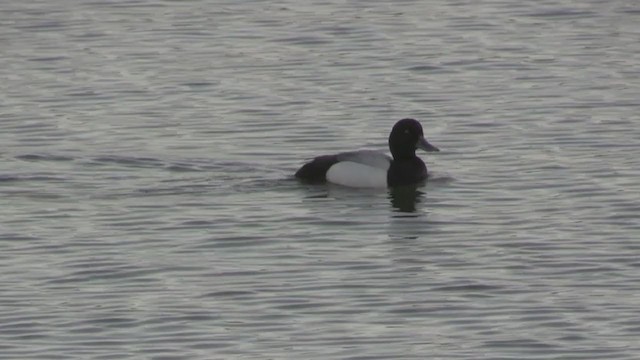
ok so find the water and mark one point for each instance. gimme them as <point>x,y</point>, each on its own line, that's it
<point>148,209</point>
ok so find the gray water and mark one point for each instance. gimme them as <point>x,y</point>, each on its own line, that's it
<point>148,209</point>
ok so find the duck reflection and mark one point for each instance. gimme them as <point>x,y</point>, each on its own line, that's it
<point>405,198</point>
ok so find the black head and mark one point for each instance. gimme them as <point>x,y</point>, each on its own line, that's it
<point>407,136</point>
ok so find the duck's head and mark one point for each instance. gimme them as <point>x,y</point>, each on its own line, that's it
<point>407,136</point>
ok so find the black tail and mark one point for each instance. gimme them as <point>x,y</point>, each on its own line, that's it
<point>315,171</point>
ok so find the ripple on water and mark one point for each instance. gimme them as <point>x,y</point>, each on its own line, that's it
<point>149,208</point>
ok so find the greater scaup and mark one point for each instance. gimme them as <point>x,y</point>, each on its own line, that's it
<point>367,168</point>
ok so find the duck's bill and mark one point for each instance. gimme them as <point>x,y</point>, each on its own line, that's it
<point>424,145</point>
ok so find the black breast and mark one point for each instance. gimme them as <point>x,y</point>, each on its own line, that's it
<point>406,172</point>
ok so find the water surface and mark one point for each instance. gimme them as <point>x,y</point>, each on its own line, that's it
<point>148,207</point>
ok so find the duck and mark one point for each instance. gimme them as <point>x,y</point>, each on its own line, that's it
<point>374,169</point>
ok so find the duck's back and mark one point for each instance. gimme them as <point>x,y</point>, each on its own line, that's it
<point>371,158</point>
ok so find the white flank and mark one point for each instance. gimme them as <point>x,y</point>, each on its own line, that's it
<point>353,174</point>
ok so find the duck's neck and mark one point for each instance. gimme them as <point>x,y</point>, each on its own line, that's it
<point>403,154</point>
